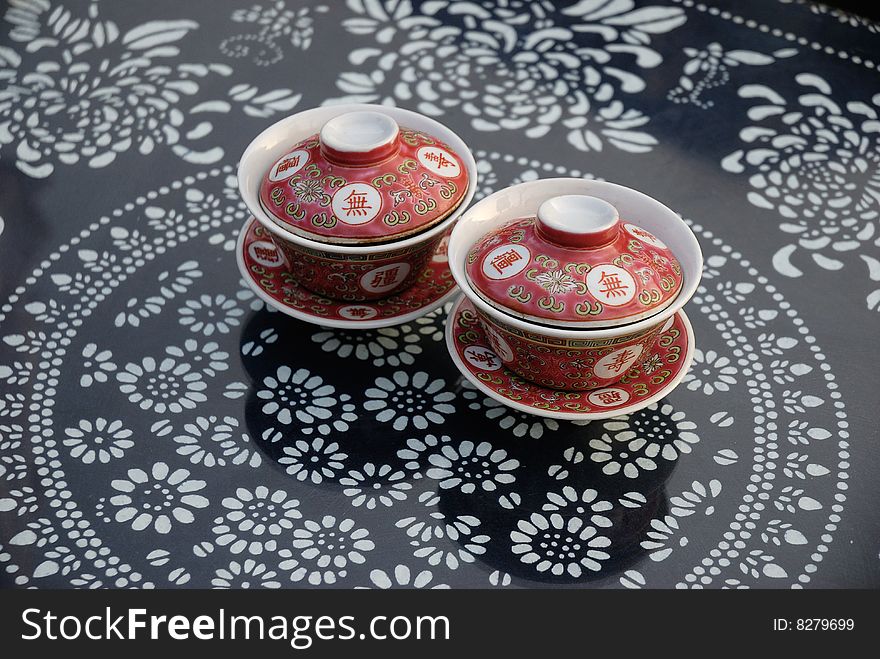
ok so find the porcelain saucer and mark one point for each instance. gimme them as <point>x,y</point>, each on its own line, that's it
<point>263,267</point>
<point>643,385</point>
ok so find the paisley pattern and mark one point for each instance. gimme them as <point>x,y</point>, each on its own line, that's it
<point>160,426</point>
<point>84,90</point>
<point>816,163</point>
<point>542,67</point>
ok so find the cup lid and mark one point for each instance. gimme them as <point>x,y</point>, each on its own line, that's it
<point>364,179</point>
<point>576,264</point>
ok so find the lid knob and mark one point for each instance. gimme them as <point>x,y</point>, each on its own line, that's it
<point>359,138</point>
<point>577,221</point>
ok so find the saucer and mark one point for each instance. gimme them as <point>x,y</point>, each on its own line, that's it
<point>468,346</point>
<point>264,269</point>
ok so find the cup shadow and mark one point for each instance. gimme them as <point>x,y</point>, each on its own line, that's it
<point>577,511</point>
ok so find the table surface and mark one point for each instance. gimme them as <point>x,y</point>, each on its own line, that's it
<point>159,427</point>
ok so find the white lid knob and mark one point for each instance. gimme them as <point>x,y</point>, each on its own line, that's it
<point>578,220</point>
<point>359,137</point>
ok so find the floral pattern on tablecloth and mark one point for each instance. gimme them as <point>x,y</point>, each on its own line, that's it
<point>246,459</point>
<point>82,90</point>
<point>160,427</point>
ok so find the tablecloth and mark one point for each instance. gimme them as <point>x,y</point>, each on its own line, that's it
<point>160,427</point>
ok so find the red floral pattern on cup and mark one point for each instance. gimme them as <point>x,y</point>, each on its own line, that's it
<point>478,357</point>
<point>570,364</point>
<point>355,277</point>
<point>548,269</point>
<point>267,268</point>
<point>405,183</point>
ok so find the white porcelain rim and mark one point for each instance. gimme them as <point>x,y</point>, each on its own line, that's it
<point>276,140</point>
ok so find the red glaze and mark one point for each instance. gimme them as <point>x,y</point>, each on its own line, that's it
<point>405,185</point>
<point>570,364</point>
<point>545,272</point>
<point>295,275</point>
<point>664,358</point>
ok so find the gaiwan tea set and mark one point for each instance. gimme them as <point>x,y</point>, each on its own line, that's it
<point>568,293</point>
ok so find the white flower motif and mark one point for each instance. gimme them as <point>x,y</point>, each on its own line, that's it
<point>586,504</point>
<point>375,485</point>
<point>171,282</point>
<point>390,345</point>
<point>210,442</point>
<point>710,372</point>
<point>652,363</point>
<point>157,497</point>
<point>322,551</point>
<point>430,535</point>
<point>101,263</point>
<point>686,503</point>
<point>208,315</point>
<point>11,436</point>
<point>402,577</point>
<point>13,467</point>
<point>101,440</point>
<point>735,293</point>
<point>248,574</point>
<point>208,357</point>
<point>519,423</point>
<point>91,93</point>
<point>665,430</point>
<point>171,221</point>
<point>254,520</point>
<point>168,386</point>
<point>470,467</point>
<point>406,400</point>
<point>816,162</point>
<point>770,344</point>
<point>624,452</point>
<point>589,54</point>
<point>308,190</point>
<point>304,396</point>
<point>312,461</point>
<point>784,372</point>
<point>558,545</point>
<point>556,282</point>
<point>96,365</point>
